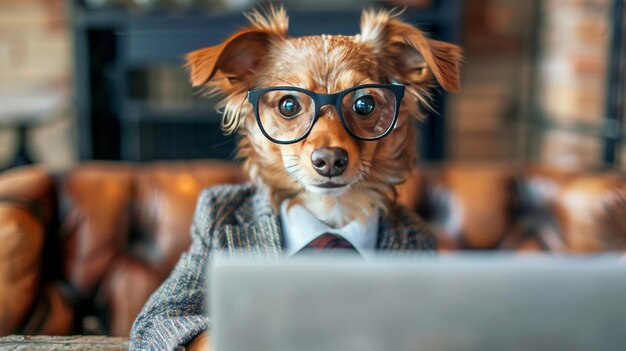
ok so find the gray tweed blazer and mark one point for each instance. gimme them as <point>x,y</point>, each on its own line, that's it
<point>231,218</point>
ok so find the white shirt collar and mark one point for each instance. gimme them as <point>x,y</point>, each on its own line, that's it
<point>300,227</point>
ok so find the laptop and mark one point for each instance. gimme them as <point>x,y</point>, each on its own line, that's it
<point>418,304</point>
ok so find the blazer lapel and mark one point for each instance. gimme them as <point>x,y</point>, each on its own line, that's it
<point>401,230</point>
<point>257,232</point>
<point>391,236</point>
<point>256,229</point>
<point>262,238</point>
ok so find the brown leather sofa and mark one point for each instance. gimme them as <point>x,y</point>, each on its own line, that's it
<point>81,252</point>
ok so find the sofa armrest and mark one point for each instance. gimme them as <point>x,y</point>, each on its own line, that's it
<point>22,238</point>
<point>26,207</point>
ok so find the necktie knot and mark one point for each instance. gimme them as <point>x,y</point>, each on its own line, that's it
<point>329,241</point>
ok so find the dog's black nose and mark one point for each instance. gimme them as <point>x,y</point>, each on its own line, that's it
<point>330,161</point>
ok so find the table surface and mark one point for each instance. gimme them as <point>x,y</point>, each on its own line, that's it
<point>34,105</point>
<point>54,343</point>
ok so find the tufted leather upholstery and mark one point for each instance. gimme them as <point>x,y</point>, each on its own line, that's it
<point>126,229</point>
<point>22,237</point>
<point>82,252</point>
<point>470,206</point>
<point>122,229</point>
<point>592,214</point>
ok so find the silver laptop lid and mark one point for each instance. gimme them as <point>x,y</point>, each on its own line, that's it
<point>453,303</point>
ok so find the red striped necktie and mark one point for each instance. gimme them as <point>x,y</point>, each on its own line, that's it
<point>327,242</point>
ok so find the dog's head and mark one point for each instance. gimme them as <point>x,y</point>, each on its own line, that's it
<point>309,139</point>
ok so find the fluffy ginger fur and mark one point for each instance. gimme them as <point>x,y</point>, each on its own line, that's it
<point>263,55</point>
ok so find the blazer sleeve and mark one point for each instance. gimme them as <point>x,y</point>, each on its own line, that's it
<point>176,313</point>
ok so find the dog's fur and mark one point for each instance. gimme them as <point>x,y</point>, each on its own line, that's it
<point>263,55</point>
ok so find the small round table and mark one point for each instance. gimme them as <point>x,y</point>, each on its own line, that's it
<point>25,107</point>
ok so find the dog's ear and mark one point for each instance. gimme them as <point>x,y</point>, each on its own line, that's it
<point>234,60</point>
<point>413,58</point>
<point>237,58</point>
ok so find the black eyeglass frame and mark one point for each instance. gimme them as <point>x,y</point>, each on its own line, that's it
<point>321,100</point>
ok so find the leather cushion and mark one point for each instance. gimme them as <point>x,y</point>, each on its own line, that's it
<point>27,206</point>
<point>127,227</point>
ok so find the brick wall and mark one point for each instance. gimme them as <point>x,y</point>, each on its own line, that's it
<point>493,116</point>
<point>572,71</point>
<point>34,51</point>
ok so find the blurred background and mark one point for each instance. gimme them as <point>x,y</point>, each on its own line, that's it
<point>104,79</point>
<point>527,157</point>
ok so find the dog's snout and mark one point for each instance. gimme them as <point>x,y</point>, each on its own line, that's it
<point>330,161</point>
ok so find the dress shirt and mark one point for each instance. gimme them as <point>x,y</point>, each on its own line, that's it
<point>300,227</point>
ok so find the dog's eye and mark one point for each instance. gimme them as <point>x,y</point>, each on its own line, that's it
<point>289,106</point>
<point>364,105</point>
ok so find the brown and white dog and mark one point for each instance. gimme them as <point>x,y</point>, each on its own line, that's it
<point>337,177</point>
<point>325,168</point>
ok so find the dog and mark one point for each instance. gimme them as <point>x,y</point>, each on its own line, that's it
<point>326,128</point>
<point>263,55</point>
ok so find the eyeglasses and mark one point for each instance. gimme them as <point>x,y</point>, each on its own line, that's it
<point>286,114</point>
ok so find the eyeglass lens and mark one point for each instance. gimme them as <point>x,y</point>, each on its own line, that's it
<point>287,115</point>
